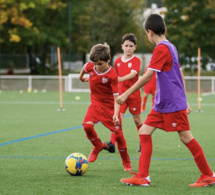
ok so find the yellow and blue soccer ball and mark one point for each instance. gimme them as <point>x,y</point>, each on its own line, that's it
<point>76,164</point>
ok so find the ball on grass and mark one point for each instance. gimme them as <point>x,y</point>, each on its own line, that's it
<point>76,164</point>
<point>77,97</point>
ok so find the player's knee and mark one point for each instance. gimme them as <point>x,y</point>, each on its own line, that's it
<point>89,130</point>
<point>88,127</point>
<point>185,137</point>
<point>137,121</point>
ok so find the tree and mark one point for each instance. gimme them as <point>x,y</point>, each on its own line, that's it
<point>190,26</point>
<point>32,27</point>
<point>36,26</point>
<point>107,21</point>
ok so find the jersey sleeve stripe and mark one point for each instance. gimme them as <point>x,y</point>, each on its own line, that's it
<point>116,93</point>
<point>154,69</point>
<point>134,71</point>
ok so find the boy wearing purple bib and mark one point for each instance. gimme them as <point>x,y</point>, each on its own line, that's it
<point>170,106</point>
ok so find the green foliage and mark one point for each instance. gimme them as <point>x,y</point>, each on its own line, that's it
<point>106,21</point>
<point>33,27</point>
<point>37,26</point>
<point>190,26</point>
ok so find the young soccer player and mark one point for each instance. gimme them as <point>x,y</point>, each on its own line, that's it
<point>103,81</point>
<point>170,110</point>
<point>128,68</point>
<point>149,88</point>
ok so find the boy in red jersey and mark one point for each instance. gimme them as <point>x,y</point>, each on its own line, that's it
<point>170,106</point>
<point>103,81</point>
<point>149,88</point>
<point>128,68</point>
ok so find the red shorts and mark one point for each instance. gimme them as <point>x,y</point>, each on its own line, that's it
<point>104,114</point>
<point>149,90</point>
<point>134,106</point>
<point>174,121</point>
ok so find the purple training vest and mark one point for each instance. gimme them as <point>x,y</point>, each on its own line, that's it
<point>170,95</point>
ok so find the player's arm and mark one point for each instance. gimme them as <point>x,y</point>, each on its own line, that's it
<point>116,111</point>
<point>142,81</point>
<point>129,76</point>
<point>188,106</point>
<point>81,75</point>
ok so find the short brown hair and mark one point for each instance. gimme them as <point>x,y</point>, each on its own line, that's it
<point>131,37</point>
<point>100,52</point>
<point>155,23</point>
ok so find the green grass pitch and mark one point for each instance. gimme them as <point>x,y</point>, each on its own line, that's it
<point>35,139</point>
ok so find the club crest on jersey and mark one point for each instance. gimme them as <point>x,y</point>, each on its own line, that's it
<point>117,127</point>
<point>129,65</point>
<point>118,64</point>
<point>174,124</point>
<point>91,73</point>
<point>104,80</point>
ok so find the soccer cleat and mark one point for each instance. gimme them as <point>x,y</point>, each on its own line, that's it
<point>139,149</point>
<point>109,147</point>
<point>204,181</point>
<point>127,166</point>
<point>136,180</point>
<point>94,153</point>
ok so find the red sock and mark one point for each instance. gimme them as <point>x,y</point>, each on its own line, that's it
<point>112,138</point>
<point>144,103</point>
<point>138,128</point>
<point>92,135</point>
<point>121,145</point>
<point>145,157</point>
<point>199,157</point>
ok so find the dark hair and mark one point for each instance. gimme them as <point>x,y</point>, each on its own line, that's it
<point>100,52</point>
<point>155,23</point>
<point>131,37</point>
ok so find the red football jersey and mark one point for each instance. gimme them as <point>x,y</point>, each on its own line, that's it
<point>161,59</point>
<point>125,67</point>
<point>103,86</point>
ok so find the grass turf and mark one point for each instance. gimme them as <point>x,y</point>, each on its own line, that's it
<point>36,138</point>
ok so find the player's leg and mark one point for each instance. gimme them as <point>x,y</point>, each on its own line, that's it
<point>135,109</point>
<point>93,115</point>
<point>207,177</point>
<point>112,136</point>
<point>123,109</point>
<point>122,148</point>
<point>145,133</point>
<point>94,139</point>
<point>145,96</point>
<point>142,178</point>
<point>138,122</point>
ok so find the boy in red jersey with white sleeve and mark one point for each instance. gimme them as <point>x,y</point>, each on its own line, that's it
<point>103,81</point>
<point>170,106</point>
<point>128,68</point>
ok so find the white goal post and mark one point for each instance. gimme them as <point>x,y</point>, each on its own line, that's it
<point>207,84</point>
<point>71,83</point>
<point>75,85</point>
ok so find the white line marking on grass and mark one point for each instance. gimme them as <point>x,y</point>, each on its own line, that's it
<point>75,103</point>
<point>40,102</point>
<point>101,158</point>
